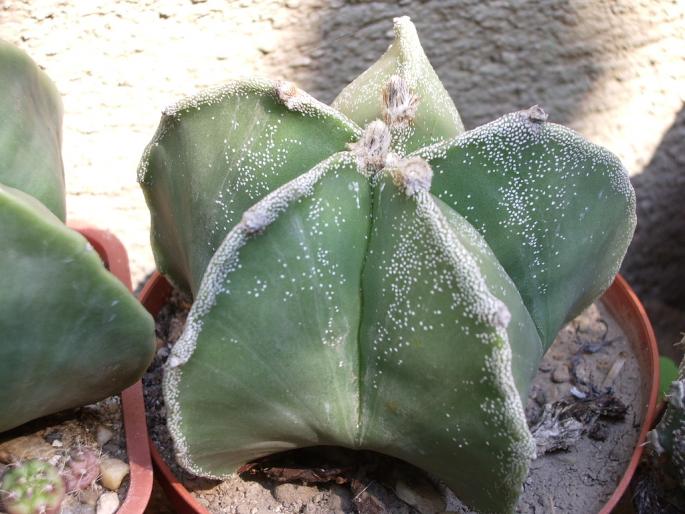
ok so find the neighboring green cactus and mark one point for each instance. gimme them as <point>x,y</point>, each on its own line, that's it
<point>352,307</point>
<point>667,441</point>
<point>30,130</point>
<point>72,334</point>
<point>32,487</point>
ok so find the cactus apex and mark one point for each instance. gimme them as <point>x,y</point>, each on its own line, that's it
<point>404,30</point>
<point>536,114</point>
<point>399,102</point>
<point>372,149</point>
<point>413,175</point>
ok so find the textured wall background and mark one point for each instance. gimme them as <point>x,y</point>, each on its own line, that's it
<point>612,69</point>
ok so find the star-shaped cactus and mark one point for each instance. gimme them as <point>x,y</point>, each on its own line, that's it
<point>369,275</point>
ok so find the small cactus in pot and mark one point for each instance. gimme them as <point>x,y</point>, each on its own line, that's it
<point>369,275</point>
<point>32,487</point>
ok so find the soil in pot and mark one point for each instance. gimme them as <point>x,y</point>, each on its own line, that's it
<point>585,409</point>
<point>87,445</point>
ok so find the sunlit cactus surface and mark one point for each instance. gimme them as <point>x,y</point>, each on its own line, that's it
<point>369,275</point>
<point>70,332</point>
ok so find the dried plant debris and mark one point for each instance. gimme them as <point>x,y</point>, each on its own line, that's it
<point>565,421</point>
<point>587,407</point>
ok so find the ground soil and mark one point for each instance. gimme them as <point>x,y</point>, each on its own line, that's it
<point>590,371</point>
<point>54,438</point>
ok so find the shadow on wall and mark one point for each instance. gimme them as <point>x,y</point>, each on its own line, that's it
<point>656,257</point>
<point>492,58</point>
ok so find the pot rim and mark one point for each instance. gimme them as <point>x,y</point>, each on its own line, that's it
<point>619,298</point>
<point>114,256</point>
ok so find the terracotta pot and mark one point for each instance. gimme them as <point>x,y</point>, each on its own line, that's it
<point>625,306</point>
<point>621,301</point>
<point>114,256</point>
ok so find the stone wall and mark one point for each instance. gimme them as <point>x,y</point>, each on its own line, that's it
<point>612,69</point>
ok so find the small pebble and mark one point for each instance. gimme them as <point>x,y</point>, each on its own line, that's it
<point>104,435</point>
<point>88,496</point>
<point>561,374</point>
<point>25,447</point>
<point>563,390</point>
<point>80,508</point>
<point>421,495</point>
<point>583,373</point>
<point>108,503</point>
<point>112,472</point>
<point>584,324</point>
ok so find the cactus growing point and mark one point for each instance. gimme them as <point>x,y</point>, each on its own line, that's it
<point>393,289</point>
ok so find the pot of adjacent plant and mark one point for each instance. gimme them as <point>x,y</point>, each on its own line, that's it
<point>370,276</point>
<point>72,332</point>
<point>114,257</point>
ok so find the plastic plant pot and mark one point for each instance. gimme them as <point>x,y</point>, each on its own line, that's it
<point>113,255</point>
<point>620,300</point>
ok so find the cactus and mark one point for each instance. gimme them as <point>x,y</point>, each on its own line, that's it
<point>394,297</point>
<point>30,130</point>
<point>666,442</point>
<point>81,470</point>
<point>72,334</point>
<point>32,487</point>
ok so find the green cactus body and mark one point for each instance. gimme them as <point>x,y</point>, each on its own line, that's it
<point>668,438</point>
<point>555,209</point>
<point>33,487</point>
<point>419,111</point>
<point>30,130</point>
<point>203,173</point>
<point>72,334</point>
<point>369,302</point>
